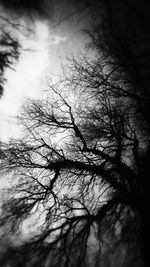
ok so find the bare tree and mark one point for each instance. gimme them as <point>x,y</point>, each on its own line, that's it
<point>77,167</point>
<point>82,165</point>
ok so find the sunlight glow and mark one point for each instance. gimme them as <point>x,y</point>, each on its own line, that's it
<point>25,80</point>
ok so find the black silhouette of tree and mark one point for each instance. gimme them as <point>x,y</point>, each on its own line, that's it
<point>81,169</point>
<point>9,48</point>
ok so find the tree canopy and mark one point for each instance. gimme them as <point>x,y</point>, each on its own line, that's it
<point>9,48</point>
<point>80,171</point>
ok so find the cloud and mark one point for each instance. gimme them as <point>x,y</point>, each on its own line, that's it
<point>56,39</point>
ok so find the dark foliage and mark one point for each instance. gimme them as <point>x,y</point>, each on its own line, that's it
<point>24,7</point>
<point>9,53</point>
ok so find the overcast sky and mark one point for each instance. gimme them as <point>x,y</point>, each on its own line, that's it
<point>48,47</point>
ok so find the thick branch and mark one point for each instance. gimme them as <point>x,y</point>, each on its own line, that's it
<point>107,175</point>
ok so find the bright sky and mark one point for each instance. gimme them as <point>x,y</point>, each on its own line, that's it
<point>47,50</point>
